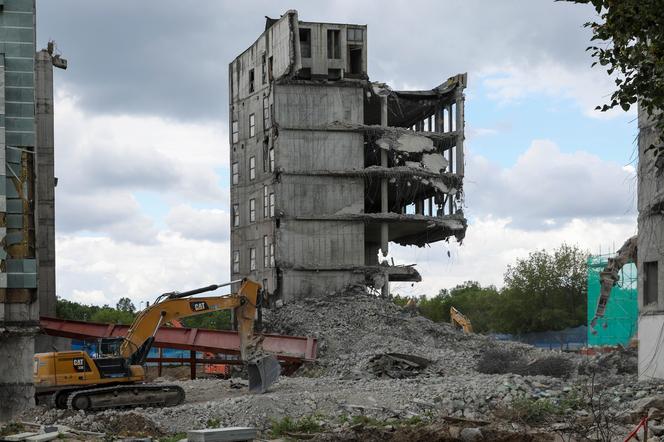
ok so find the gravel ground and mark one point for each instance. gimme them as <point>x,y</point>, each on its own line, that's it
<point>352,329</point>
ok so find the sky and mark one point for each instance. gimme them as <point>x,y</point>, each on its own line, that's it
<point>142,202</point>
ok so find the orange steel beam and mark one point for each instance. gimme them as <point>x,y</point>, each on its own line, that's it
<point>285,348</point>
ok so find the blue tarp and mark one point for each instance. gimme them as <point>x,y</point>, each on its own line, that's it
<point>567,339</point>
<point>91,348</point>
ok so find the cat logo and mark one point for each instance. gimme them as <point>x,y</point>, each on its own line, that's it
<point>79,364</point>
<point>198,306</point>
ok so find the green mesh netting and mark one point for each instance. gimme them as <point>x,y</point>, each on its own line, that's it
<point>619,322</point>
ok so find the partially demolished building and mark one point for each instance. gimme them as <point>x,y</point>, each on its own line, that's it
<point>650,248</point>
<point>328,168</point>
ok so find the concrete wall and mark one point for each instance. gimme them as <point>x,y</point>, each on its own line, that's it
<point>650,249</point>
<point>19,306</point>
<point>309,249</point>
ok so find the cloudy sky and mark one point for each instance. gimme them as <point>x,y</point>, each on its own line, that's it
<point>142,146</point>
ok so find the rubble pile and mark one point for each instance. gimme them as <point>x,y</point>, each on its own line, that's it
<point>353,327</point>
<point>377,361</point>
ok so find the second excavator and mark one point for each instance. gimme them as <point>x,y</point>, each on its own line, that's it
<point>116,378</point>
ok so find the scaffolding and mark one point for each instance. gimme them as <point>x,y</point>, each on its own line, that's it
<point>620,320</point>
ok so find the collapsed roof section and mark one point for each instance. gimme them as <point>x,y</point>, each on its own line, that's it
<point>407,108</point>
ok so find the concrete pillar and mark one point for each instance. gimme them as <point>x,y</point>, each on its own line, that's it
<point>45,191</point>
<point>384,229</point>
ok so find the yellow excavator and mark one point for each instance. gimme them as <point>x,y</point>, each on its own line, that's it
<point>116,378</point>
<point>459,320</point>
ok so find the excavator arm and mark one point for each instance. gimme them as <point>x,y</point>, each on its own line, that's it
<point>176,305</point>
<point>460,320</point>
<point>609,277</point>
<point>263,370</point>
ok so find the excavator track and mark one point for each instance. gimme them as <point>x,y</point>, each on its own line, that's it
<point>120,396</point>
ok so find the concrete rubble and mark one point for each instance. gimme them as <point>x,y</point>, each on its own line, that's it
<point>356,333</point>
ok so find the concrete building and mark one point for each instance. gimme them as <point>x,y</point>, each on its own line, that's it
<point>19,305</point>
<point>650,251</point>
<point>45,60</point>
<point>27,249</point>
<point>328,168</point>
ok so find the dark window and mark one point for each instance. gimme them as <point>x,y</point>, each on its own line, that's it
<point>266,113</point>
<point>263,70</point>
<point>251,80</point>
<point>236,261</point>
<point>650,287</point>
<point>334,74</point>
<point>252,210</point>
<point>269,68</point>
<point>266,252</point>
<point>236,173</point>
<point>236,215</point>
<point>333,44</point>
<point>266,146</point>
<point>355,60</point>
<point>236,132</point>
<point>252,259</point>
<point>305,43</point>
<point>252,168</point>
<point>266,212</point>
<point>354,35</point>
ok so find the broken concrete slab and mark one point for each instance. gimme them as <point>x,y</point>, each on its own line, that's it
<point>19,436</point>
<point>222,434</point>
<point>44,437</point>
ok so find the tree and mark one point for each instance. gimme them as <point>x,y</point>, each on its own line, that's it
<point>125,305</point>
<point>546,291</point>
<point>632,47</point>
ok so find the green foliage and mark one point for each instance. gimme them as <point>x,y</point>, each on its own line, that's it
<point>125,305</point>
<point>173,438</point>
<point>532,411</point>
<point>213,423</point>
<point>628,40</point>
<point>125,312</point>
<point>219,320</point>
<point>11,428</point>
<point>73,310</point>
<point>306,424</point>
<point>545,291</point>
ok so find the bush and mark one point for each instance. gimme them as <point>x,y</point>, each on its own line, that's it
<point>531,411</point>
<point>306,424</point>
<point>500,361</point>
<point>555,366</point>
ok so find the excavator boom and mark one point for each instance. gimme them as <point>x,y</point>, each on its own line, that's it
<point>84,383</point>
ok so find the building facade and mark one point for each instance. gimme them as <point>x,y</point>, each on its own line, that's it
<point>650,251</point>
<point>19,304</point>
<point>27,198</point>
<point>328,168</point>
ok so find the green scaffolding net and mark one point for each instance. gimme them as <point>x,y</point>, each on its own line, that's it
<point>620,319</point>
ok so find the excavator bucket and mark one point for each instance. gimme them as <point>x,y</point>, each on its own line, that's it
<point>263,372</point>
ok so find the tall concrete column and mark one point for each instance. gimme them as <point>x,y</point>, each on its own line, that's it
<point>45,185</point>
<point>384,229</point>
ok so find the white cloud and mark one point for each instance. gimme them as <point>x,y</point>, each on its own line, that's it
<point>102,160</point>
<point>491,244</point>
<point>95,297</point>
<point>546,187</point>
<point>546,198</point>
<point>137,153</point>
<point>102,270</point>
<point>587,87</point>
<point>199,224</point>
